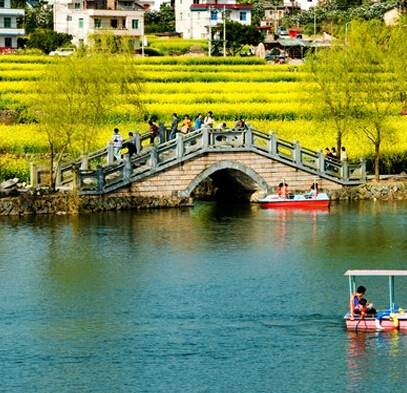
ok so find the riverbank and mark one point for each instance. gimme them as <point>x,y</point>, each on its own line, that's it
<point>61,203</point>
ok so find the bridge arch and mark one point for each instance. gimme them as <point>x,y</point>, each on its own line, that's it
<point>230,174</point>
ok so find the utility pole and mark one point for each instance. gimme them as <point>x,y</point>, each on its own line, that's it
<point>210,32</point>
<point>224,30</point>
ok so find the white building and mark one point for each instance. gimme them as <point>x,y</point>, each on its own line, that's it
<point>193,17</point>
<point>10,30</point>
<point>80,18</point>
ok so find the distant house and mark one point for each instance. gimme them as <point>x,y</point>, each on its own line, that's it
<point>193,17</point>
<point>10,25</point>
<point>274,13</point>
<point>81,18</point>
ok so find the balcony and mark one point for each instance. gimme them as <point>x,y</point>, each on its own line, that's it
<point>11,31</point>
<point>12,11</point>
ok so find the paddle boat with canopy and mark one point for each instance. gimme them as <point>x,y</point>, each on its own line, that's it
<point>393,318</point>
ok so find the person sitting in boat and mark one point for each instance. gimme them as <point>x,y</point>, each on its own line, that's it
<point>282,190</point>
<point>314,190</point>
<point>359,305</point>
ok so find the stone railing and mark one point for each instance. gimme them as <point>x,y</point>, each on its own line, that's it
<point>110,175</point>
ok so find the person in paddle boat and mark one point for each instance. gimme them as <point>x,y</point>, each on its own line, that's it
<point>313,192</point>
<point>282,190</point>
<point>360,306</point>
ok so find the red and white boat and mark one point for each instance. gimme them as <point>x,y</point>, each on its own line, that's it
<point>304,201</point>
<point>394,318</point>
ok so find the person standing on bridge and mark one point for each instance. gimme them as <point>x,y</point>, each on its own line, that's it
<point>117,141</point>
<point>174,126</point>
<point>209,120</point>
<point>153,129</point>
<point>198,121</point>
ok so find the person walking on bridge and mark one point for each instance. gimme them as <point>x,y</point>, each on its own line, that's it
<point>117,141</point>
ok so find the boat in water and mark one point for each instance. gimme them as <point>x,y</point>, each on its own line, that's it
<point>393,318</point>
<point>303,201</point>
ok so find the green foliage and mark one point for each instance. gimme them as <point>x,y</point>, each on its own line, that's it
<point>39,17</point>
<point>48,40</point>
<point>162,21</point>
<point>238,35</point>
<point>350,79</point>
<point>75,96</point>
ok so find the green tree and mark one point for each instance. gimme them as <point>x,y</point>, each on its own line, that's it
<point>380,63</point>
<point>75,96</point>
<point>360,81</point>
<point>48,40</point>
<point>334,95</point>
<point>238,35</point>
<point>162,21</point>
<point>39,16</point>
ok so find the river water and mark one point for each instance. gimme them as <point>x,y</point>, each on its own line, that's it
<point>216,298</point>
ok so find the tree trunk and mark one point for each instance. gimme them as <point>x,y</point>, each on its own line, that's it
<point>51,169</point>
<point>377,161</point>
<point>338,144</point>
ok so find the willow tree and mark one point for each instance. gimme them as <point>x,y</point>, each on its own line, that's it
<point>359,82</point>
<point>379,56</point>
<point>334,94</point>
<point>75,97</point>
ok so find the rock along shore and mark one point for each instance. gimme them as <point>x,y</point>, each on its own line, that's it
<point>64,203</point>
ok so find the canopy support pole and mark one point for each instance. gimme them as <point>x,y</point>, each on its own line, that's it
<point>391,289</point>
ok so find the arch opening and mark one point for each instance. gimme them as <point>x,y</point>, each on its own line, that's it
<point>228,184</point>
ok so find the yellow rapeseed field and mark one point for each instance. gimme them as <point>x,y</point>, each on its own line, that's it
<point>270,98</point>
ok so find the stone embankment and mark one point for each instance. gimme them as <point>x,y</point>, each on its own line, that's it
<point>26,204</point>
<point>384,190</point>
<point>31,203</point>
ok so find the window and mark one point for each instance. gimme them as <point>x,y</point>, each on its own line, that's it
<point>8,42</point>
<point>98,23</point>
<point>214,15</point>
<point>69,18</point>
<point>81,23</point>
<point>243,16</point>
<point>196,1</point>
<point>7,22</point>
<point>2,4</point>
<point>113,23</point>
<point>134,24</point>
<point>77,6</point>
<point>123,23</point>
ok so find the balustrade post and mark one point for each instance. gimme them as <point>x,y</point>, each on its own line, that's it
<point>344,170</point>
<point>180,145</point>
<point>33,175</point>
<point>205,138</point>
<point>137,142</point>
<point>297,152</point>
<point>110,154</point>
<point>76,178</point>
<point>84,162</point>
<point>127,168</point>
<point>248,138</point>
<point>153,157</point>
<point>321,162</point>
<point>273,144</point>
<point>58,176</point>
<point>100,180</point>
<point>363,169</point>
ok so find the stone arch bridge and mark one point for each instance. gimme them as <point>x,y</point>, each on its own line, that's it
<point>235,162</point>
